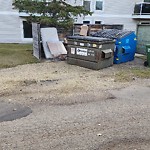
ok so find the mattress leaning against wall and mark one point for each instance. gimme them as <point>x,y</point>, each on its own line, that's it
<point>51,45</point>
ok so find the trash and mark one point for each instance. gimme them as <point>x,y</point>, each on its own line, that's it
<point>14,109</point>
<point>84,30</point>
<point>111,33</point>
<point>51,45</point>
<point>133,78</point>
<point>99,134</point>
<point>56,48</point>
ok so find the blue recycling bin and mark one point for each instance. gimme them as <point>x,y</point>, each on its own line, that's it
<point>125,48</point>
<point>125,45</point>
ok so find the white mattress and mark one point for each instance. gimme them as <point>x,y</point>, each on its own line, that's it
<point>48,35</point>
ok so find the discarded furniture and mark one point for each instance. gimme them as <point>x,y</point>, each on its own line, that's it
<point>84,30</point>
<point>51,45</point>
<point>92,28</point>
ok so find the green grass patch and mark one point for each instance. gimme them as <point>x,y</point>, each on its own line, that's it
<point>141,73</point>
<point>130,74</point>
<point>12,55</point>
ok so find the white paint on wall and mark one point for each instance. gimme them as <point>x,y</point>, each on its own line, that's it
<point>114,12</point>
<point>11,27</point>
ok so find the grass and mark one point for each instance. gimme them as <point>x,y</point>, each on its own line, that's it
<point>132,73</point>
<point>12,55</point>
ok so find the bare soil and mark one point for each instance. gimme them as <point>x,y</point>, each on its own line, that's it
<point>75,108</point>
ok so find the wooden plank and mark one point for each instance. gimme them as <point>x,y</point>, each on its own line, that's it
<point>36,40</point>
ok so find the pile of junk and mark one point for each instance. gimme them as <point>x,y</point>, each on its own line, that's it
<point>101,49</point>
<point>96,50</point>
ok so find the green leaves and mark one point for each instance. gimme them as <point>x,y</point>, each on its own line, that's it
<point>54,13</point>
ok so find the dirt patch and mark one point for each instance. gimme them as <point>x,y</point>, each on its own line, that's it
<point>135,143</point>
<point>133,92</point>
<point>75,108</point>
<point>12,111</point>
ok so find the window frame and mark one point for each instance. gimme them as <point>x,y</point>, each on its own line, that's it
<point>90,4</point>
<point>27,26</point>
<point>147,1</point>
<point>102,6</point>
<point>86,22</point>
<point>98,22</point>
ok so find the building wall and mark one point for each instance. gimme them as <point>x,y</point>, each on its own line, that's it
<point>11,28</point>
<point>114,12</point>
<point>119,7</point>
<point>6,5</point>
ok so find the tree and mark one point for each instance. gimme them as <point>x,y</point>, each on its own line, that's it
<point>57,13</point>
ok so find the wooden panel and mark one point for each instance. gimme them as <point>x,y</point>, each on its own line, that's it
<point>95,27</point>
<point>36,40</point>
<point>76,29</point>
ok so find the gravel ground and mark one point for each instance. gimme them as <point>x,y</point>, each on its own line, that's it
<point>75,108</point>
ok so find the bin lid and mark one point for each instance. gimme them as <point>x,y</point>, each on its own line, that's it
<point>90,38</point>
<point>111,33</point>
<point>148,45</point>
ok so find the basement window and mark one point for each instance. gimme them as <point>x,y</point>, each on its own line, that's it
<point>97,22</point>
<point>86,22</point>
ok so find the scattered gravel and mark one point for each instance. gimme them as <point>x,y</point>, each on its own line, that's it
<point>73,108</point>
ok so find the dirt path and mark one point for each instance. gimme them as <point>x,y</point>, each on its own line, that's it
<point>75,108</point>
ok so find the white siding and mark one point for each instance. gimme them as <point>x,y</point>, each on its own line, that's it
<point>120,7</point>
<point>75,2</point>
<point>128,23</point>
<point>11,30</point>
<point>6,5</point>
<point>9,23</point>
<point>114,12</point>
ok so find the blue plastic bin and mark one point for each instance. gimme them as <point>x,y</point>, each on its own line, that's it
<point>125,43</point>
